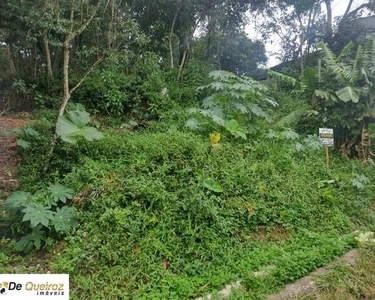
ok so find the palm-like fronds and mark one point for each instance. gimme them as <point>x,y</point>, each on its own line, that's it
<point>292,117</point>
<point>347,51</point>
<point>282,77</point>
<point>325,95</point>
<point>329,55</point>
<point>340,70</point>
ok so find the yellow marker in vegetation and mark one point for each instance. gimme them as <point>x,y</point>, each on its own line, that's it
<point>215,138</point>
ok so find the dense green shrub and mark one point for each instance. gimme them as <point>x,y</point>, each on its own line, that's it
<point>112,92</point>
<point>109,91</point>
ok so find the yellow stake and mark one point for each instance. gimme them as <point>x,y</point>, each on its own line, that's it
<point>327,157</point>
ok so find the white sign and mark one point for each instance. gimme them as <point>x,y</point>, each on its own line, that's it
<point>34,286</point>
<point>326,136</point>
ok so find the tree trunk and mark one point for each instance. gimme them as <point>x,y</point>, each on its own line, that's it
<point>208,45</point>
<point>363,149</point>
<point>301,52</point>
<point>12,66</point>
<point>47,54</point>
<point>171,35</point>
<point>184,58</point>
<point>329,20</point>
<point>218,53</point>
<point>110,33</point>
<point>65,99</point>
<point>66,91</point>
<point>35,68</point>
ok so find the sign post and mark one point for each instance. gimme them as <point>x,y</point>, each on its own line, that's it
<point>326,136</point>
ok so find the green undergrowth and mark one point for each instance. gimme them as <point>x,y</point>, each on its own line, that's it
<point>167,216</point>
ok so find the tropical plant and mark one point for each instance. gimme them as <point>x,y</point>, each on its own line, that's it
<point>342,89</point>
<point>347,95</point>
<point>235,103</point>
<point>42,216</point>
<point>302,88</point>
<point>73,126</point>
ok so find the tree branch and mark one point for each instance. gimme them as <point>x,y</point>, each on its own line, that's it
<point>353,12</point>
<point>348,8</point>
<point>86,74</point>
<point>73,34</point>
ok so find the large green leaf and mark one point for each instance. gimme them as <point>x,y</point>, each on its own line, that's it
<point>212,185</point>
<point>192,124</point>
<point>235,129</point>
<point>18,200</point>
<point>340,70</point>
<point>73,126</point>
<point>22,143</point>
<point>37,214</point>
<point>64,219</point>
<point>348,93</point>
<point>60,192</point>
<point>258,111</point>
<point>313,142</point>
<point>222,75</point>
<point>31,132</point>
<point>365,239</point>
<point>326,95</point>
<point>34,238</point>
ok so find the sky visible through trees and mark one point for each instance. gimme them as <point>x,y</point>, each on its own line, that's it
<point>273,46</point>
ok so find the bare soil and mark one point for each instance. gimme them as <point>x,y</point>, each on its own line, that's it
<point>9,161</point>
<point>307,284</point>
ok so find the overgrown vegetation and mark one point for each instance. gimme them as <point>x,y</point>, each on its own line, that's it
<point>196,216</point>
<point>156,168</point>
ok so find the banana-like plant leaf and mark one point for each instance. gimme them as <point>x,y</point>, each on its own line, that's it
<point>282,77</point>
<point>348,93</point>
